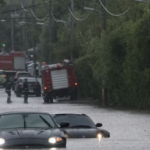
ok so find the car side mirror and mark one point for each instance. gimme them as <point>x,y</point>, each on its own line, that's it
<point>99,125</point>
<point>64,124</point>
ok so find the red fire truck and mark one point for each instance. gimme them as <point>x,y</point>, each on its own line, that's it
<point>12,62</point>
<point>59,80</point>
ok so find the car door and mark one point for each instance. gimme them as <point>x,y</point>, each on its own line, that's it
<point>17,85</point>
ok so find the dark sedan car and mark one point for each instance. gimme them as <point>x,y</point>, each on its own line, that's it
<point>30,130</point>
<point>33,84</point>
<point>21,74</point>
<point>81,126</point>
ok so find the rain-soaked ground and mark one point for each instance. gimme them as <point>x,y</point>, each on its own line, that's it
<point>129,130</point>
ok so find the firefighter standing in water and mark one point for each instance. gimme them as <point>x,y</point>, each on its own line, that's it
<point>8,91</point>
<point>25,90</point>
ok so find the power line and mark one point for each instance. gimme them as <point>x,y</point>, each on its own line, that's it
<point>16,12</point>
<point>21,17</point>
<point>57,20</point>
<point>38,18</point>
<point>78,18</point>
<point>23,7</point>
<point>116,15</point>
<point>37,5</point>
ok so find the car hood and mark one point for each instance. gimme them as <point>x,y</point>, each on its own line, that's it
<point>81,132</point>
<point>29,133</point>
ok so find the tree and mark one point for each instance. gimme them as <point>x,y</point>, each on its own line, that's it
<point>2,2</point>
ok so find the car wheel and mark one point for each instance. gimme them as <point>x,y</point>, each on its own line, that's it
<point>18,94</point>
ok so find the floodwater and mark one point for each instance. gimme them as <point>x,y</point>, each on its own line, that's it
<point>129,130</point>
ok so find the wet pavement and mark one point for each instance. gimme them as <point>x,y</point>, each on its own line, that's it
<point>129,130</point>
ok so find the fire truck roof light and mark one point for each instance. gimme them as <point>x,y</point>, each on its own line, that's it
<point>76,83</point>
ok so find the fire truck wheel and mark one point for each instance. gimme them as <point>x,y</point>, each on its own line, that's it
<point>46,98</point>
<point>73,95</point>
<point>51,99</point>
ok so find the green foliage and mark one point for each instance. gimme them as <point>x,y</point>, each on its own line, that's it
<point>87,84</point>
<point>2,3</point>
<point>118,58</point>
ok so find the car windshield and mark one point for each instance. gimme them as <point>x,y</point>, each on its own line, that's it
<point>24,75</point>
<point>32,65</point>
<point>32,120</point>
<point>75,120</point>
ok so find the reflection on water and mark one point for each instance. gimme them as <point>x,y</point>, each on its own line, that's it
<point>74,144</point>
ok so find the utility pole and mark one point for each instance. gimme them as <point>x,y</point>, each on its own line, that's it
<point>104,89</point>
<point>34,44</point>
<point>12,31</point>
<point>50,33</point>
<point>24,36</point>
<point>72,30</point>
<point>23,31</point>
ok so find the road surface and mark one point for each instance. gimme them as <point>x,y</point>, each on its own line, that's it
<point>129,130</point>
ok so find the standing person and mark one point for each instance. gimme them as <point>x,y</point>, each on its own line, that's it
<point>25,90</point>
<point>8,91</point>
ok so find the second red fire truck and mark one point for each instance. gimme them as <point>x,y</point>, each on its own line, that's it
<point>59,80</point>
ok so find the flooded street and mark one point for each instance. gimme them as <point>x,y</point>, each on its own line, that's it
<point>129,130</point>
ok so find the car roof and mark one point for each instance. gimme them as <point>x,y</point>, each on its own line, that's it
<point>23,112</point>
<point>26,78</point>
<point>22,72</point>
<point>65,114</point>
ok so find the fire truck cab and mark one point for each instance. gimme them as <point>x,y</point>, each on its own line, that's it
<point>59,80</point>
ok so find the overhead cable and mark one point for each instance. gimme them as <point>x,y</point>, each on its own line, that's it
<point>57,20</point>
<point>16,12</point>
<point>37,5</point>
<point>78,18</point>
<point>38,18</point>
<point>17,18</point>
<point>23,7</point>
<point>116,15</point>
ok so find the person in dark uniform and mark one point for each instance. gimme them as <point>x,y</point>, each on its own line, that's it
<point>8,91</point>
<point>25,90</point>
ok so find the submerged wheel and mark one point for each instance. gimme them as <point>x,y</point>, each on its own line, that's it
<point>73,95</point>
<point>51,99</point>
<point>46,98</point>
<point>18,94</point>
<point>38,94</point>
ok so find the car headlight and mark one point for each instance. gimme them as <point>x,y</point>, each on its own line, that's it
<point>54,140</point>
<point>99,136</point>
<point>2,141</point>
